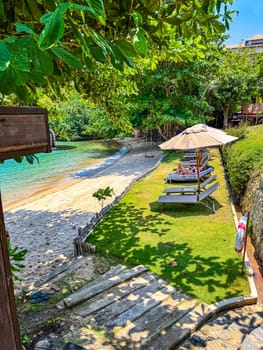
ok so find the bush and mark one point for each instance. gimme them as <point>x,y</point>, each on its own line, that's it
<point>240,132</point>
<point>243,158</point>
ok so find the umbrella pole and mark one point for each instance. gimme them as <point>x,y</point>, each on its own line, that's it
<point>198,159</point>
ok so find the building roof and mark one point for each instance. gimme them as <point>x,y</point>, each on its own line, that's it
<point>234,46</point>
<point>256,37</point>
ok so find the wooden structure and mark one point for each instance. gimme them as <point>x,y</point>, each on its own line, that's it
<point>252,114</point>
<point>23,131</point>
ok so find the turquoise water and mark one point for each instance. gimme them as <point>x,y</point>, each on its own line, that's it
<point>68,160</point>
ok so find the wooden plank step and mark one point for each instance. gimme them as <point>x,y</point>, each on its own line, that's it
<point>152,323</point>
<point>141,306</point>
<point>107,315</point>
<point>114,294</point>
<point>90,291</point>
<point>176,334</point>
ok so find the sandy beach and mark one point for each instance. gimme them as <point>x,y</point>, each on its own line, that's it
<point>47,222</point>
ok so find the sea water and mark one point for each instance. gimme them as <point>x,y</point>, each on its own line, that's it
<point>67,160</point>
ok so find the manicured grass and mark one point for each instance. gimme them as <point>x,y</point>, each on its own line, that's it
<point>202,243</point>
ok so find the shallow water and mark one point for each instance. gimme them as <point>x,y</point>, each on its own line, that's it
<point>68,160</point>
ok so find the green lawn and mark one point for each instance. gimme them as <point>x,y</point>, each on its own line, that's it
<point>202,243</point>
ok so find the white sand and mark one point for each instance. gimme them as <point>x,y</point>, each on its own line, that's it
<point>47,222</point>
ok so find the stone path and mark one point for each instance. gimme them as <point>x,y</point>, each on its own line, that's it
<point>240,328</point>
<point>135,309</point>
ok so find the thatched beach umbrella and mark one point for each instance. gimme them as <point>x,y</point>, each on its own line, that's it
<point>197,137</point>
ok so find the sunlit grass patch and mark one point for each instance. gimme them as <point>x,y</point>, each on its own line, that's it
<point>201,243</point>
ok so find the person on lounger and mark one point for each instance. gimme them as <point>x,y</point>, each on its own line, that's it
<point>191,170</point>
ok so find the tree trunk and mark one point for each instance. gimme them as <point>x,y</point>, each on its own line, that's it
<point>161,133</point>
<point>225,113</point>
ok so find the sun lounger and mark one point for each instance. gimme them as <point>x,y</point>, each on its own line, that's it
<point>204,198</point>
<point>188,177</point>
<point>204,160</point>
<point>192,155</point>
<point>190,189</point>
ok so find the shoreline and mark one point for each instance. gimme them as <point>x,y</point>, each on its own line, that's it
<point>47,222</point>
<point>57,182</point>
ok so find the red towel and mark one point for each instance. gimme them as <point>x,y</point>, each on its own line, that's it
<point>241,234</point>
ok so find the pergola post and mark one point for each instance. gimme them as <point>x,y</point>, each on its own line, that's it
<point>10,334</point>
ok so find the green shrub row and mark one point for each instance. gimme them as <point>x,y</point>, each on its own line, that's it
<point>244,157</point>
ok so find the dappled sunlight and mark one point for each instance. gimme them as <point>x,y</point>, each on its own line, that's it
<point>48,236</point>
<point>157,239</point>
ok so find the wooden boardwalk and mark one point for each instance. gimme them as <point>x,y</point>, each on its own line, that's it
<point>136,308</point>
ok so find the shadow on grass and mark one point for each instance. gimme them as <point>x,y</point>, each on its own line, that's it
<point>186,209</point>
<point>150,240</point>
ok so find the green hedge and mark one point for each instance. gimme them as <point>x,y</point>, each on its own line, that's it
<point>244,157</point>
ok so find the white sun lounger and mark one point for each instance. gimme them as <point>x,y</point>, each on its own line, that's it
<point>188,177</point>
<point>204,198</point>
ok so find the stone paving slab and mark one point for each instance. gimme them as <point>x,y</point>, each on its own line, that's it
<point>230,330</point>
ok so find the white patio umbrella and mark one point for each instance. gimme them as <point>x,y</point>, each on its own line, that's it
<point>197,137</point>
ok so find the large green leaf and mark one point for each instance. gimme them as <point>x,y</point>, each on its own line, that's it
<point>88,63</point>
<point>79,37</point>
<point>67,57</point>
<point>151,5</point>
<point>98,53</point>
<point>20,28</point>
<point>22,93</point>
<point>140,42</point>
<point>128,60</point>
<point>6,82</point>
<point>137,18</point>
<point>99,10</point>
<point>100,41</point>
<point>126,48</point>
<point>20,60</point>
<point>77,7</point>
<point>116,58</point>
<point>53,31</point>
<point>4,56</point>
<point>43,61</point>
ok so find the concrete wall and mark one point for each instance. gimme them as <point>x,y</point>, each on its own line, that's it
<point>253,202</point>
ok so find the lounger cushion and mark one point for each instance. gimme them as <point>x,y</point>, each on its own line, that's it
<point>188,177</point>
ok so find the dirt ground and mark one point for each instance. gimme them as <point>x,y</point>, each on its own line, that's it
<point>39,320</point>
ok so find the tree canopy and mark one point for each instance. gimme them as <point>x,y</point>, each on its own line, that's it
<point>47,42</point>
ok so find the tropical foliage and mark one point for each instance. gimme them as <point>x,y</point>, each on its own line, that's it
<point>50,42</point>
<point>244,158</point>
<point>16,257</point>
<point>234,81</point>
<point>102,193</point>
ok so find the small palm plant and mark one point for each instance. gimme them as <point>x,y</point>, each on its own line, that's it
<point>102,193</point>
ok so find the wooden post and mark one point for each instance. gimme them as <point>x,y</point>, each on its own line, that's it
<point>23,131</point>
<point>9,328</point>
